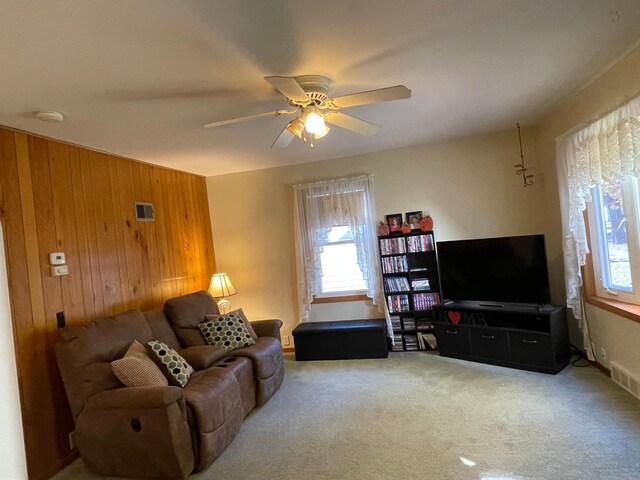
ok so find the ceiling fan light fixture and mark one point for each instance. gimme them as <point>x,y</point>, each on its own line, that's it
<point>296,126</point>
<point>321,133</point>
<point>314,124</point>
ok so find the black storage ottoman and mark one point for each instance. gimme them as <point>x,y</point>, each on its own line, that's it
<point>343,340</point>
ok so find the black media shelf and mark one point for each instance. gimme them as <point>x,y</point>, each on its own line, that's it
<point>409,261</point>
<point>528,337</point>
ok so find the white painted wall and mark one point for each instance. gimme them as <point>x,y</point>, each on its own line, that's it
<point>13,464</point>
<point>468,185</point>
<point>618,335</point>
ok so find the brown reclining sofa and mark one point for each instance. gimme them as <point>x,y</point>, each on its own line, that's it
<point>164,432</point>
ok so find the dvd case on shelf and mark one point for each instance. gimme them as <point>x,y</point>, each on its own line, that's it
<point>396,284</point>
<point>391,246</point>
<point>425,301</point>
<point>420,243</point>
<point>398,303</point>
<point>394,264</point>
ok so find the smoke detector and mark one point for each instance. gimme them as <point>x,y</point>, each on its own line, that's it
<point>49,116</point>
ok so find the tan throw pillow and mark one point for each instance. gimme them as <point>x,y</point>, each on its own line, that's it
<point>173,365</point>
<point>240,314</point>
<point>227,331</point>
<point>137,369</point>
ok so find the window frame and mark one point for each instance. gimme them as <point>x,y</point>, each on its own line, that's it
<point>611,304</point>
<point>343,295</point>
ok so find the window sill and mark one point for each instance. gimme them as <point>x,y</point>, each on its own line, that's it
<point>340,298</point>
<point>626,310</point>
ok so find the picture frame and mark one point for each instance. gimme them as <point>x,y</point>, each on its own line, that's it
<point>413,219</point>
<point>394,221</point>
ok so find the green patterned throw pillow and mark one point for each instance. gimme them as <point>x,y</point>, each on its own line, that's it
<point>227,331</point>
<point>175,368</point>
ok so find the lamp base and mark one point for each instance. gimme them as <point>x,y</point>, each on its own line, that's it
<point>223,305</point>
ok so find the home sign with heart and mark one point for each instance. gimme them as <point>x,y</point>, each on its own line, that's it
<point>454,316</point>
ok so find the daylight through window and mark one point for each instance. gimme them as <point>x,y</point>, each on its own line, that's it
<point>613,218</point>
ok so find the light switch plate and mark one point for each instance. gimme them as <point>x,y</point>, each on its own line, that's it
<point>57,258</point>
<point>59,270</point>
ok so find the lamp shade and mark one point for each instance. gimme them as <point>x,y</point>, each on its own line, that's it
<point>221,286</point>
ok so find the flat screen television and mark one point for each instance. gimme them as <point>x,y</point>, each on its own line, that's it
<point>501,270</point>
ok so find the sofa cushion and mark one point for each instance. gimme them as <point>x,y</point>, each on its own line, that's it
<point>86,351</point>
<point>202,356</point>
<point>266,354</point>
<point>186,312</point>
<point>214,404</point>
<point>175,368</point>
<point>227,331</point>
<point>238,314</point>
<point>211,395</point>
<point>161,328</point>
<point>137,369</point>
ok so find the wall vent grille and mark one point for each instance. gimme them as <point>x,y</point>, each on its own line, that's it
<point>144,212</point>
<point>622,377</point>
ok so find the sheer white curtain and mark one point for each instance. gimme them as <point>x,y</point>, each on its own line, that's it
<point>322,205</point>
<point>606,151</point>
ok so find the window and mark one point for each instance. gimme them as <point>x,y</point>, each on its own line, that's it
<point>336,243</point>
<point>340,272</point>
<point>613,220</point>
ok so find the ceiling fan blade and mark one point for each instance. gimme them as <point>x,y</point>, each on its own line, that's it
<point>288,87</point>
<point>284,139</point>
<point>351,123</point>
<point>372,96</point>
<point>250,117</point>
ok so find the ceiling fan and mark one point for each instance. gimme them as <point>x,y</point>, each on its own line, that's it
<point>308,96</point>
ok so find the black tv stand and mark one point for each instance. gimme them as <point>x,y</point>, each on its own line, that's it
<point>526,336</point>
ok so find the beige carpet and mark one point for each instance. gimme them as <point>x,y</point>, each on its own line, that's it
<point>417,415</point>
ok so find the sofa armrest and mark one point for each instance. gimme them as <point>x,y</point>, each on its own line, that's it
<point>135,397</point>
<point>202,356</point>
<point>267,328</point>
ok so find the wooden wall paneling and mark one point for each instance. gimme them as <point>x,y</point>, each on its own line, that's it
<point>81,227</point>
<point>142,236</point>
<point>167,266</point>
<point>127,229</point>
<point>38,208</point>
<point>64,208</point>
<point>174,237</point>
<point>203,210</point>
<point>179,237</point>
<point>196,236</point>
<point>208,232</point>
<point>71,300</point>
<point>58,197</point>
<point>17,272</point>
<point>119,189</point>
<point>188,218</point>
<point>101,190</point>
<point>87,218</point>
<point>200,211</point>
<point>148,236</point>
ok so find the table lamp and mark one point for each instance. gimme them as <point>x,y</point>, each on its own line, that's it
<point>221,287</point>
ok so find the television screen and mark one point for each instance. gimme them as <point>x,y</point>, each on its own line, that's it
<point>506,269</point>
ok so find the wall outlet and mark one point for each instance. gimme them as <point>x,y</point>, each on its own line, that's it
<point>603,353</point>
<point>286,341</point>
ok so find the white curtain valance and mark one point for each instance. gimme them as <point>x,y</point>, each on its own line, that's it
<point>606,151</point>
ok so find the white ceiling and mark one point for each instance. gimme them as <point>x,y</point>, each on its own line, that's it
<point>140,78</point>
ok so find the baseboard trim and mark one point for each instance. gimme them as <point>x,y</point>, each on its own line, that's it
<point>594,363</point>
<point>288,349</point>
